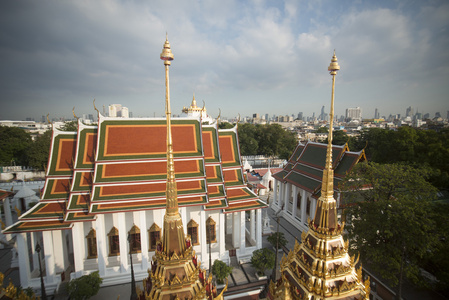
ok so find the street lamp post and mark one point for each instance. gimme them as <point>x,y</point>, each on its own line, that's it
<point>133,281</point>
<point>43,293</point>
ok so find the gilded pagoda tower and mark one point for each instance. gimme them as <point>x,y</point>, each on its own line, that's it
<point>320,267</point>
<point>175,270</point>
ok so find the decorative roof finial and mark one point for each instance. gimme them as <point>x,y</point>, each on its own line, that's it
<point>193,105</point>
<point>73,111</point>
<point>96,107</point>
<point>173,234</point>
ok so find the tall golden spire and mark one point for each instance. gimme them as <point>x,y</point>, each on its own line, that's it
<point>173,236</point>
<point>320,267</point>
<point>326,212</point>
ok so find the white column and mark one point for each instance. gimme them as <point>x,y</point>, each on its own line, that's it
<point>123,239</point>
<point>78,247</point>
<point>304,209</point>
<point>229,223</point>
<point>236,230</point>
<point>202,237</point>
<point>7,210</point>
<point>102,244</point>
<point>313,206</point>
<point>222,239</point>
<point>295,201</point>
<point>281,194</point>
<point>275,192</point>
<point>252,225</point>
<point>242,232</point>
<point>58,250</point>
<point>49,256</point>
<point>24,262</point>
<point>286,196</point>
<point>144,239</point>
<point>259,228</point>
<point>34,240</point>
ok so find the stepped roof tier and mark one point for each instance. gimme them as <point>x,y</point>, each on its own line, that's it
<point>320,267</point>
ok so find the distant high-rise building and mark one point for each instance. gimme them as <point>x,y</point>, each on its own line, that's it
<point>409,112</point>
<point>437,114</point>
<point>426,116</point>
<point>447,116</point>
<point>354,113</point>
<point>255,116</point>
<point>300,115</point>
<point>267,117</point>
<point>322,114</point>
<point>117,110</point>
<point>376,114</point>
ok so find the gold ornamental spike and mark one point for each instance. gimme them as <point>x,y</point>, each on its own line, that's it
<point>219,115</point>
<point>73,111</point>
<point>96,107</point>
<point>48,120</point>
<point>204,106</point>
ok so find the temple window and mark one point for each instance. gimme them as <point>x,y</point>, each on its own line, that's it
<point>134,235</point>
<point>92,244</point>
<point>211,234</point>
<point>114,242</point>
<point>308,206</point>
<point>154,234</point>
<point>192,230</point>
<point>298,201</point>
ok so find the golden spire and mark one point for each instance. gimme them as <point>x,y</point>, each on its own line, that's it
<point>325,214</point>
<point>173,236</point>
<point>193,105</point>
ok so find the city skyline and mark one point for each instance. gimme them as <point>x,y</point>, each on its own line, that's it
<point>242,58</point>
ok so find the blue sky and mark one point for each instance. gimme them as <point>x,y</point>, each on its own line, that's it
<point>243,57</point>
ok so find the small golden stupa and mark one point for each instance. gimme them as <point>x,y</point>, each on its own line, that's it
<point>320,267</point>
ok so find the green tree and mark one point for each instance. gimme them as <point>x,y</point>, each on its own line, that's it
<point>70,126</point>
<point>322,129</point>
<point>14,143</point>
<point>390,208</point>
<point>339,137</point>
<point>262,260</point>
<point>221,270</point>
<point>225,125</point>
<point>248,143</point>
<point>273,239</point>
<point>84,287</point>
<point>39,150</point>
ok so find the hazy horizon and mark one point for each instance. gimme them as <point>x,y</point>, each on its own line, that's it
<point>243,58</point>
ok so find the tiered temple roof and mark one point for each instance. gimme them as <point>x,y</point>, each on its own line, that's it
<point>305,167</point>
<point>120,165</point>
<point>320,267</point>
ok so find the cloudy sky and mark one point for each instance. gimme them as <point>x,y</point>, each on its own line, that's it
<point>243,57</point>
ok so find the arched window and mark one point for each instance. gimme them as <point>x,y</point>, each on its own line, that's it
<point>92,244</point>
<point>192,230</point>
<point>154,234</point>
<point>134,235</point>
<point>114,242</point>
<point>211,235</point>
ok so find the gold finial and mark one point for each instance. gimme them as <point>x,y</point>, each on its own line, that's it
<point>73,111</point>
<point>219,115</point>
<point>204,106</point>
<point>96,107</point>
<point>238,120</point>
<point>48,120</point>
<point>166,54</point>
<point>333,67</point>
